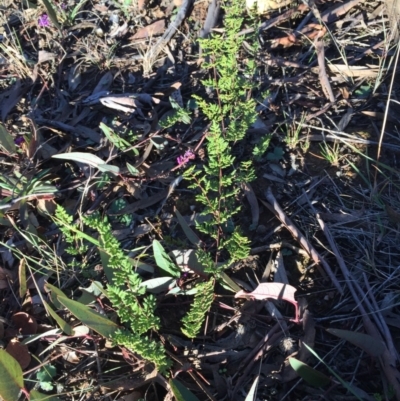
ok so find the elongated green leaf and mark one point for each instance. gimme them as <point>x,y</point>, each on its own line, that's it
<point>11,379</point>
<point>366,342</point>
<point>190,234</point>
<point>52,14</point>
<point>230,285</point>
<point>110,169</point>
<point>92,319</point>
<point>7,141</point>
<point>65,327</point>
<point>55,292</point>
<point>37,396</point>
<point>114,138</point>
<point>132,169</point>
<point>180,392</point>
<point>309,374</point>
<point>343,382</point>
<point>91,293</point>
<point>88,158</point>
<point>105,259</point>
<point>164,262</point>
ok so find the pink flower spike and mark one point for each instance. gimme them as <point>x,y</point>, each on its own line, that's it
<point>182,160</point>
<point>44,21</point>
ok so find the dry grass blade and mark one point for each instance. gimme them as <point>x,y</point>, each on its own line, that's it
<point>393,11</point>
<point>302,239</point>
<point>389,358</point>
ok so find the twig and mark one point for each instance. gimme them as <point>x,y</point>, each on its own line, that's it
<point>302,239</point>
<point>323,77</point>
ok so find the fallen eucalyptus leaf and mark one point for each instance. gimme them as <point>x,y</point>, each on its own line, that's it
<point>90,318</point>
<point>88,158</point>
<point>277,291</point>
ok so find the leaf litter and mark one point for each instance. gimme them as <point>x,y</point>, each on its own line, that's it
<point>69,72</point>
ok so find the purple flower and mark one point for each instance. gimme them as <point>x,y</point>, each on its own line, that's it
<point>19,140</point>
<point>182,160</point>
<point>44,21</point>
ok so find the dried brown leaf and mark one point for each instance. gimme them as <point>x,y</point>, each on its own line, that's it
<point>147,32</point>
<point>277,291</point>
<point>20,352</point>
<point>25,323</point>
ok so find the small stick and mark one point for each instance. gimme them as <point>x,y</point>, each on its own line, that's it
<point>323,77</point>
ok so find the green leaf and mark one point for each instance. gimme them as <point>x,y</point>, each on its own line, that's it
<point>105,259</point>
<point>65,327</point>
<point>46,386</point>
<point>52,14</point>
<point>91,293</point>
<point>230,285</point>
<point>276,155</point>
<point>88,158</point>
<point>346,385</point>
<point>309,374</point>
<point>92,319</point>
<point>37,396</point>
<point>164,262</point>
<point>11,379</point>
<point>190,234</point>
<point>364,341</point>
<point>7,141</point>
<point>55,292</point>
<point>180,392</point>
<point>46,373</point>
<point>133,170</point>
<point>114,138</point>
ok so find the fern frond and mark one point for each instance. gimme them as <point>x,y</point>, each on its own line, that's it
<point>203,299</point>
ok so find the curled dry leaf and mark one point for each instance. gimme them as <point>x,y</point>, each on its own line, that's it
<point>19,352</point>
<point>277,291</point>
<point>69,355</point>
<point>25,323</point>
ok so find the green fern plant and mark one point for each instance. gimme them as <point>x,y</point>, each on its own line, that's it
<point>231,116</point>
<point>203,299</point>
<point>220,179</point>
<point>135,308</point>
